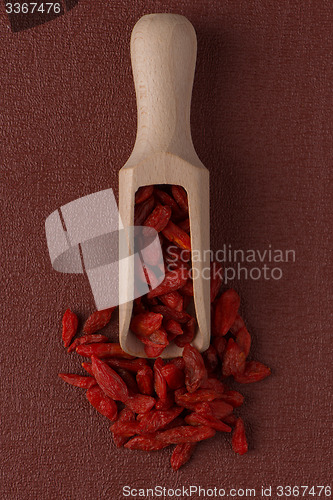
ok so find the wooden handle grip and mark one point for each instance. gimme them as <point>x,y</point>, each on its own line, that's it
<point>163,52</point>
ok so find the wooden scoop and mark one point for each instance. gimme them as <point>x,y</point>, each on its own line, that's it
<point>163,53</point>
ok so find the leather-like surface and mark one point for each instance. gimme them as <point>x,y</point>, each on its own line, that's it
<point>262,125</point>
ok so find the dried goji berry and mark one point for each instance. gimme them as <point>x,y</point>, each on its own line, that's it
<point>126,429</point>
<point>155,419</point>
<point>233,360</point>
<point>69,326</point>
<point>133,365</point>
<point>159,217</point>
<point>239,442</point>
<point>226,311</point>
<point>172,299</point>
<point>195,370</point>
<point>159,381</point>
<point>185,434</point>
<point>126,415</point>
<point>173,280</point>
<point>87,339</point>
<point>98,320</point>
<point>188,399</point>
<point>254,371</point>
<point>214,384</point>
<point>139,403</point>
<point>78,380</point>
<point>168,313</point>
<point>198,419</point>
<point>103,350</point>
<point>181,454</point>
<point>243,339</point>
<point>174,376</point>
<point>109,380</point>
<point>230,420</point>
<point>153,352</point>
<point>102,403</point>
<point>237,325</point>
<point>143,193</point>
<point>146,323</point>
<point>145,380</point>
<point>166,199</point>
<point>188,335</point>
<point>88,368</point>
<point>220,408</point>
<point>233,398</point>
<point>179,362</point>
<point>152,349</point>
<point>172,326</point>
<point>180,196</point>
<point>177,235</point>
<point>160,337</point>
<point>145,443</point>
<point>142,210</point>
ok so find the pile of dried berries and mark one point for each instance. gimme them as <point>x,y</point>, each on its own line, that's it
<point>154,404</point>
<point>162,316</point>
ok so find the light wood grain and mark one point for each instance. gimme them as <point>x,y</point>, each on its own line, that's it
<point>163,52</point>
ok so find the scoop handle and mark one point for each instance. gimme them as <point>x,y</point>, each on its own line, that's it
<point>163,53</point>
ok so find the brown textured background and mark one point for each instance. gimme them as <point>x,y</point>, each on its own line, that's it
<point>262,124</point>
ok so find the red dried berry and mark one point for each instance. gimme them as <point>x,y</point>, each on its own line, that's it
<point>181,454</point>
<point>243,339</point>
<point>143,193</point>
<point>97,320</point>
<point>213,422</point>
<point>87,339</point>
<point>185,434</point>
<point>226,311</point>
<point>109,380</point>
<point>233,360</point>
<point>159,218</point>
<point>103,350</point>
<point>177,235</point>
<point>140,403</point>
<point>188,335</point>
<point>180,196</point>
<point>237,325</point>
<point>254,372</point>
<point>133,365</point>
<point>159,381</point>
<point>145,380</point>
<point>174,376</point>
<point>195,370</point>
<point>155,420</point>
<point>69,327</point>
<point>173,280</point>
<point>142,210</point>
<point>167,313</point>
<point>78,380</point>
<point>146,323</point>
<point>239,442</point>
<point>102,403</point>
